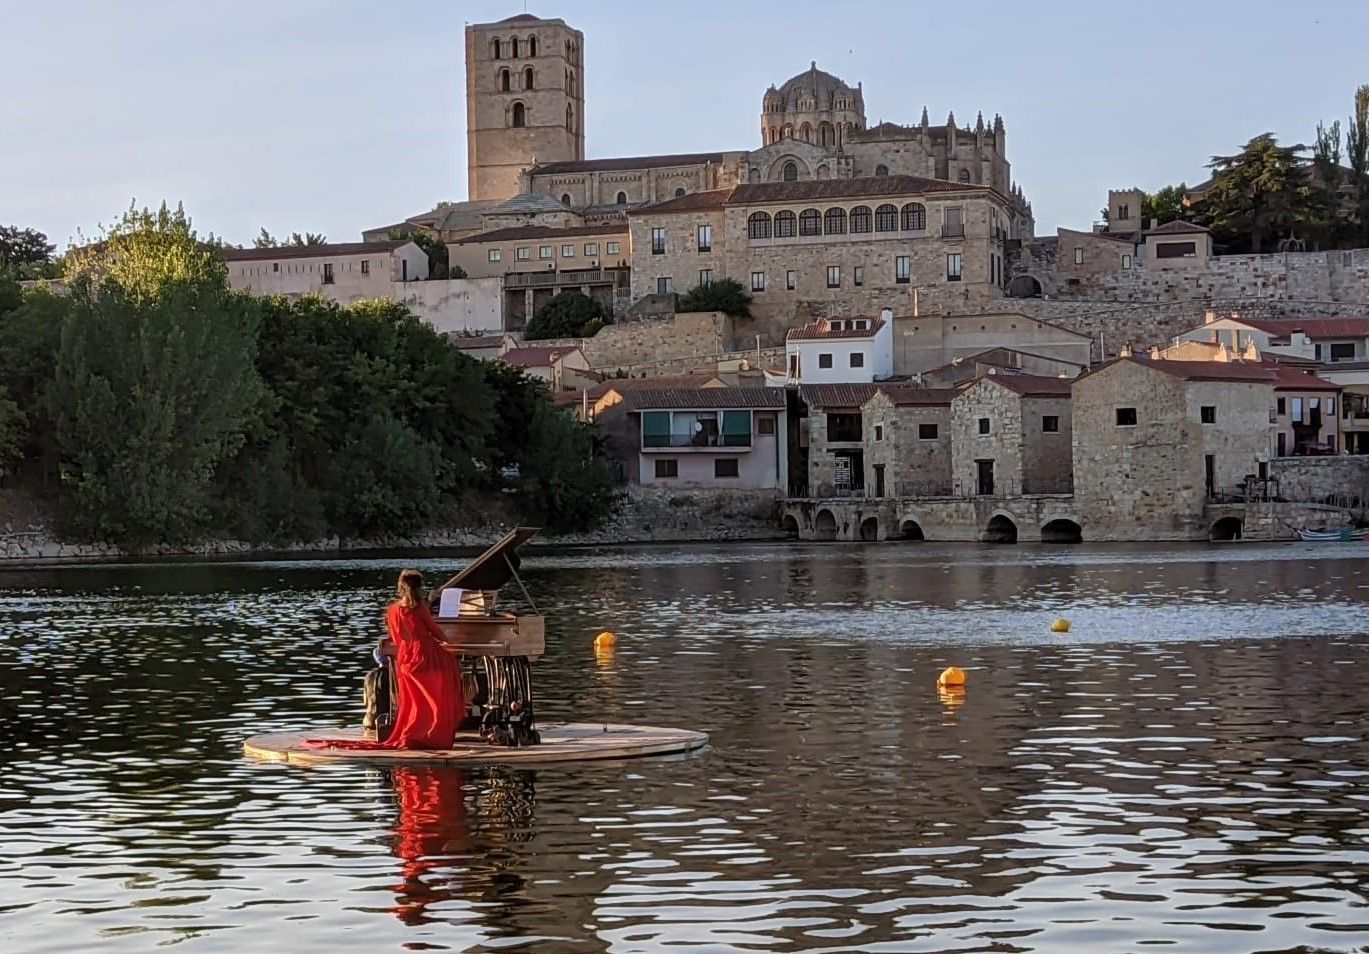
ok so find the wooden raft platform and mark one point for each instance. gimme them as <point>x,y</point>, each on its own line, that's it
<point>561,742</point>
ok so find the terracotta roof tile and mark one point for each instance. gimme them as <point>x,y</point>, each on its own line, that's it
<point>693,202</point>
<point>1314,328</point>
<point>518,233</point>
<point>627,162</point>
<point>822,329</point>
<point>819,189</point>
<point>1033,385</point>
<point>837,395</point>
<point>707,398</point>
<point>1178,227</point>
<point>911,396</point>
<point>310,251</point>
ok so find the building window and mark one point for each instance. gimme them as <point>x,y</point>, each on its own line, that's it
<point>1126,261</point>
<point>1050,424</point>
<point>527,78</point>
<point>504,81</point>
<point>953,265</point>
<point>567,251</point>
<point>790,173</point>
<point>758,225</point>
<point>791,280</point>
<point>833,276</point>
<point>926,432</point>
<point>532,46</point>
<point>365,266</point>
<point>953,223</point>
<point>785,224</point>
<point>1281,407</point>
<point>1126,417</point>
<point>963,175</point>
<point>591,249</point>
<point>1295,411</point>
<point>983,425</point>
<point>879,432</point>
<point>858,275</point>
<point>622,198</point>
<point>498,50</point>
<point>881,170</point>
<point>495,254</point>
<point>519,118</point>
<point>1207,414</point>
<point>667,467</point>
<point>725,467</point>
<point>844,428</point>
<point>514,42</point>
<point>1124,211</point>
<point>1176,250</point>
<point>327,273</point>
<point>665,285</point>
<point>824,361</point>
<point>565,199</point>
<point>765,425</point>
<point>834,222</point>
<point>1078,255</point>
<point>524,254</point>
<point>1343,351</point>
<point>679,193</point>
<point>275,266</point>
<point>810,222</point>
<point>886,219</point>
<point>914,217</point>
<point>705,235</point>
<point>613,248</point>
<point>658,241</point>
<point>705,276</point>
<point>857,359</point>
<point>758,281</point>
<point>860,219</point>
<point>903,269</point>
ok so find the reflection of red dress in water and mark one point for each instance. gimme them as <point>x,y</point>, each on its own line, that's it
<point>431,828</point>
<point>429,680</point>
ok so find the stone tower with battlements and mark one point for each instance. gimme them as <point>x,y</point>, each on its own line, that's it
<point>525,100</point>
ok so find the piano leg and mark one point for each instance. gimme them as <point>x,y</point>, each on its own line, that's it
<point>508,718</point>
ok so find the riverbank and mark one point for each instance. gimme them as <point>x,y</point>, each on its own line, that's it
<point>26,537</point>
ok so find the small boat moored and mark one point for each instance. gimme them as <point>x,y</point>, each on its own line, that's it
<point>1340,535</point>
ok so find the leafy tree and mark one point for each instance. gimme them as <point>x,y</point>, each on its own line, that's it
<point>1165,205</point>
<point>146,251</point>
<point>566,482</point>
<point>570,314</point>
<point>13,433</point>
<point>266,240</point>
<point>727,296</point>
<point>1357,152</point>
<point>516,396</point>
<point>1260,195</point>
<point>387,479</point>
<point>151,392</point>
<point>30,332</point>
<point>25,253</point>
<point>435,249</point>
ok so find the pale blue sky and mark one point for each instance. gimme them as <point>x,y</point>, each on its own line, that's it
<point>337,115</point>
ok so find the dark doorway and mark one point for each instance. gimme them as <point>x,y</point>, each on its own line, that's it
<point>1000,530</point>
<point>1062,531</point>
<point>911,530</point>
<point>825,526</point>
<point>869,529</point>
<point>983,485</point>
<point>790,526</point>
<point>1227,529</point>
<point>879,480</point>
<point>1209,473</point>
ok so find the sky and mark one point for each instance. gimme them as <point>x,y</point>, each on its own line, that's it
<point>334,116</point>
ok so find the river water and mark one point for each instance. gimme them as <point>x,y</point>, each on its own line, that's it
<point>1186,769</point>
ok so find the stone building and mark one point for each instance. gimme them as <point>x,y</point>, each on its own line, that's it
<point>926,342</point>
<point>1010,435</point>
<point>562,367</point>
<point>344,273</point>
<point>524,100</point>
<point>828,438</point>
<point>998,360</point>
<point>907,433</point>
<point>1154,439</point>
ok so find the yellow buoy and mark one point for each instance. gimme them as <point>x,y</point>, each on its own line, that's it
<point>605,640</point>
<point>952,697</point>
<point>951,676</point>
<point>1060,626</point>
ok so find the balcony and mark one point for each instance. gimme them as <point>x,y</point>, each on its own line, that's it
<point>554,277</point>
<point>952,230</point>
<point>701,441</point>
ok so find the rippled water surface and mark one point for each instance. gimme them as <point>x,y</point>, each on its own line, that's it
<point>1187,769</point>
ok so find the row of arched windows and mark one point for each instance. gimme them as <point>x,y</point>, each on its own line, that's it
<point>824,134</point>
<point>885,218</point>
<point>520,117</point>
<point>506,80</point>
<point>512,49</point>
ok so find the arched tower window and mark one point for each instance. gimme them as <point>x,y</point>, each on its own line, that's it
<point>810,222</point>
<point>679,193</point>
<point>532,46</point>
<point>504,86</point>
<point>498,49</point>
<point>785,224</point>
<point>963,175</point>
<point>519,119</point>
<point>570,119</point>
<point>514,44</point>
<point>622,198</point>
<point>787,132</point>
<point>834,222</point>
<point>825,136</point>
<point>806,132</point>
<point>881,170</point>
<point>527,78</point>
<point>790,173</point>
<point>914,217</point>
<point>886,219</point>
<point>758,225</point>
<point>860,219</point>
<point>565,198</point>
<point>754,176</point>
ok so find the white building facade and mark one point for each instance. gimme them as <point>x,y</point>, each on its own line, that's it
<point>841,351</point>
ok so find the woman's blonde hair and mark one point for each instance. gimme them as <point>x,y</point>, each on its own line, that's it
<point>410,588</point>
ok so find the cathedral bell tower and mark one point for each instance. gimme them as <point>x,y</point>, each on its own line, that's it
<point>524,100</point>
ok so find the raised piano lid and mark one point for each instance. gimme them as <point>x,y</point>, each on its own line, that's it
<point>495,567</point>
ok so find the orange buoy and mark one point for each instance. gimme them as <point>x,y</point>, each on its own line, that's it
<point>952,697</point>
<point>1060,626</point>
<point>951,676</point>
<point>605,641</point>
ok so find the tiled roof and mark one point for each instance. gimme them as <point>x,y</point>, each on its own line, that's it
<point>1178,227</point>
<point>1291,379</point>
<point>626,163</point>
<point>822,329</point>
<point>310,251</point>
<point>536,357</point>
<point>527,203</point>
<point>819,189</point>
<point>837,395</point>
<point>702,398</point>
<point>476,342</point>
<point>1314,328</point>
<point>540,232</point>
<point>1033,385</point>
<point>1205,370</point>
<point>910,396</point>
<point>692,202</point>
<point>626,386</point>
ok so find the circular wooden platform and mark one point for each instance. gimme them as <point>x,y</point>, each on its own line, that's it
<point>561,742</point>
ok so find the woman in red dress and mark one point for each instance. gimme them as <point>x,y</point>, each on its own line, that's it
<point>428,676</point>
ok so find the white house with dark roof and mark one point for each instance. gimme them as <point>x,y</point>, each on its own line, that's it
<point>714,437</point>
<point>345,273</point>
<point>841,350</point>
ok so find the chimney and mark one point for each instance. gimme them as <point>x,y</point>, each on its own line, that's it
<point>1210,316</point>
<point>1222,354</point>
<point>1154,352</point>
<point>887,314</point>
<point>1124,351</point>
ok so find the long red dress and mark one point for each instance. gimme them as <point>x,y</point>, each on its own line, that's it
<point>429,680</point>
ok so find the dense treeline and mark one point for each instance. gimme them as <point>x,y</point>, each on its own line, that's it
<point>152,405</point>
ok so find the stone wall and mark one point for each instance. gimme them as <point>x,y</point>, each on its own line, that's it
<point>913,465</point>
<point>459,305</point>
<point>687,336</point>
<point>664,514</point>
<point>1001,445</point>
<point>1344,480</point>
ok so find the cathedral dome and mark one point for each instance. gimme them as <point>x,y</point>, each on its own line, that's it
<point>816,86</point>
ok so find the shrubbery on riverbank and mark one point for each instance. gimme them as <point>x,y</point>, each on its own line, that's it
<point>153,405</point>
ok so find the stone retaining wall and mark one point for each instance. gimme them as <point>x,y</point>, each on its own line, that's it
<point>1344,480</point>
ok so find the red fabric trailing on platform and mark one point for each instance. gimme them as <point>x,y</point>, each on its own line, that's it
<point>429,678</point>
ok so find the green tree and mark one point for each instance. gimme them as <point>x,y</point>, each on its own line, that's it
<point>30,332</point>
<point>570,314</point>
<point>727,296</point>
<point>265,239</point>
<point>566,482</point>
<point>1357,152</point>
<point>388,480</point>
<point>436,250</point>
<point>1165,205</point>
<point>13,433</point>
<point>146,251</point>
<point>25,253</point>
<point>1260,195</point>
<point>516,396</point>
